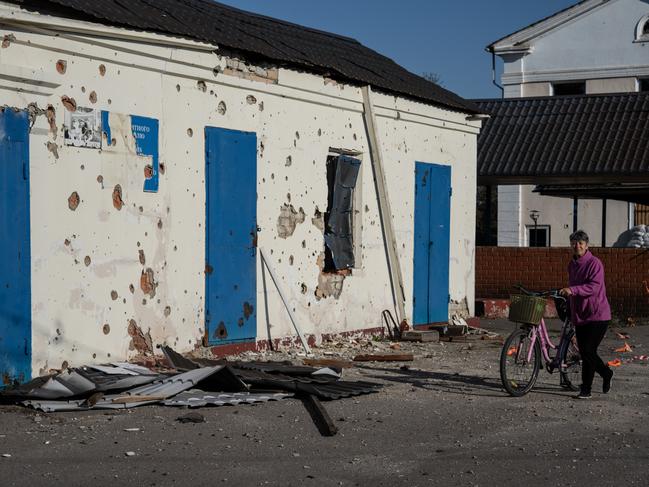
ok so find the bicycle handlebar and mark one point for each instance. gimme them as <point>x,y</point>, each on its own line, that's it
<point>553,293</point>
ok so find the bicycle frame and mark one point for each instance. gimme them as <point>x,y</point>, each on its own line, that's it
<point>540,332</point>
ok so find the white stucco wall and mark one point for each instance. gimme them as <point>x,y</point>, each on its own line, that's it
<point>516,202</point>
<point>597,44</point>
<point>302,117</point>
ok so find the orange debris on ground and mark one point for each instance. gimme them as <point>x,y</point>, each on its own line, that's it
<point>511,351</point>
<point>625,348</point>
<point>615,363</point>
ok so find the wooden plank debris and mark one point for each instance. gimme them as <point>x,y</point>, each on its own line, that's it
<point>319,414</point>
<point>328,362</point>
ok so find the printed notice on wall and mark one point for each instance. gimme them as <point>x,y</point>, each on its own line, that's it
<point>83,128</point>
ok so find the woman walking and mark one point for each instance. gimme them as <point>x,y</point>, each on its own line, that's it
<point>590,311</point>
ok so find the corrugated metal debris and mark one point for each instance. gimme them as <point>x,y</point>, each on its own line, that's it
<point>210,383</point>
<point>196,398</point>
<point>218,377</point>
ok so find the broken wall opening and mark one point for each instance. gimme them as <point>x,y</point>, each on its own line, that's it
<point>339,232</point>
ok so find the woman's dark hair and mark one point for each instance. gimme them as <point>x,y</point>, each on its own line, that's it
<point>579,236</point>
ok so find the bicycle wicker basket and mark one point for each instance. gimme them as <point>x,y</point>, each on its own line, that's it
<point>526,309</point>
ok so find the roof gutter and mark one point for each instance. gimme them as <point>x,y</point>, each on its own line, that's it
<point>493,72</point>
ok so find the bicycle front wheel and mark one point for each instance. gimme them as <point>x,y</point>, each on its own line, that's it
<point>518,373</point>
<point>570,368</point>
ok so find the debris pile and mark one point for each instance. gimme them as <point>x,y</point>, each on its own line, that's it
<point>626,349</point>
<point>188,383</point>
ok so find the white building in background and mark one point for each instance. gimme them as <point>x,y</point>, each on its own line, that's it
<point>146,170</point>
<point>595,46</point>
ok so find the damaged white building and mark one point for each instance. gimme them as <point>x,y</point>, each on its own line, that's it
<point>151,153</point>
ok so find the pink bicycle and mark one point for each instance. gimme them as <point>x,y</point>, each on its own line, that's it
<point>520,359</point>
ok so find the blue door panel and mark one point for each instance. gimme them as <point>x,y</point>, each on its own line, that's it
<point>431,243</point>
<point>231,228</point>
<point>421,287</point>
<point>15,260</point>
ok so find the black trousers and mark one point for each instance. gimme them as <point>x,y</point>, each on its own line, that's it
<point>589,336</point>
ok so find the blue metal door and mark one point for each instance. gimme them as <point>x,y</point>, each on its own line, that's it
<point>431,252</point>
<point>15,263</point>
<point>231,235</point>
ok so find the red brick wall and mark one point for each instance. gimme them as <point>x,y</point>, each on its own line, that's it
<point>499,268</point>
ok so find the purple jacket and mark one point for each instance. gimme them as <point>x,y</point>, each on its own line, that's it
<point>586,280</point>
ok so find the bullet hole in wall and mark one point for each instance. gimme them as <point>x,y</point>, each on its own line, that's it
<point>117,197</point>
<point>222,108</point>
<point>147,282</point>
<point>53,148</point>
<point>69,103</point>
<point>7,40</point>
<point>61,66</point>
<point>73,201</point>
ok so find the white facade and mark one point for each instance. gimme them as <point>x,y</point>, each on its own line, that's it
<point>88,272</point>
<point>517,202</point>
<point>599,42</point>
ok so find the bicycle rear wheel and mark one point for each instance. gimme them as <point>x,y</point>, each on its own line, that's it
<point>517,373</point>
<point>570,368</point>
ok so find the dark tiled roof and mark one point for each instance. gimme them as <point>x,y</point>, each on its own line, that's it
<point>258,37</point>
<point>567,136</point>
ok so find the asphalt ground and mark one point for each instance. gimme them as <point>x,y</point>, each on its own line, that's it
<point>442,420</point>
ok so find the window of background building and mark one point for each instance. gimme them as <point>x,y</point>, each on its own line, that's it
<point>576,88</point>
<point>643,84</point>
<point>538,236</point>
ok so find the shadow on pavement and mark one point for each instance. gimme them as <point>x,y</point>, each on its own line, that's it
<point>454,383</point>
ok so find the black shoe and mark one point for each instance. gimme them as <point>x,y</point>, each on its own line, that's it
<point>606,386</point>
<point>583,395</point>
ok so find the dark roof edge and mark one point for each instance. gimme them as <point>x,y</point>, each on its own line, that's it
<point>561,97</point>
<point>459,105</point>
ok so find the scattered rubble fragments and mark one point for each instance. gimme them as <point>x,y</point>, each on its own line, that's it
<point>384,357</point>
<point>192,417</point>
<point>420,335</point>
